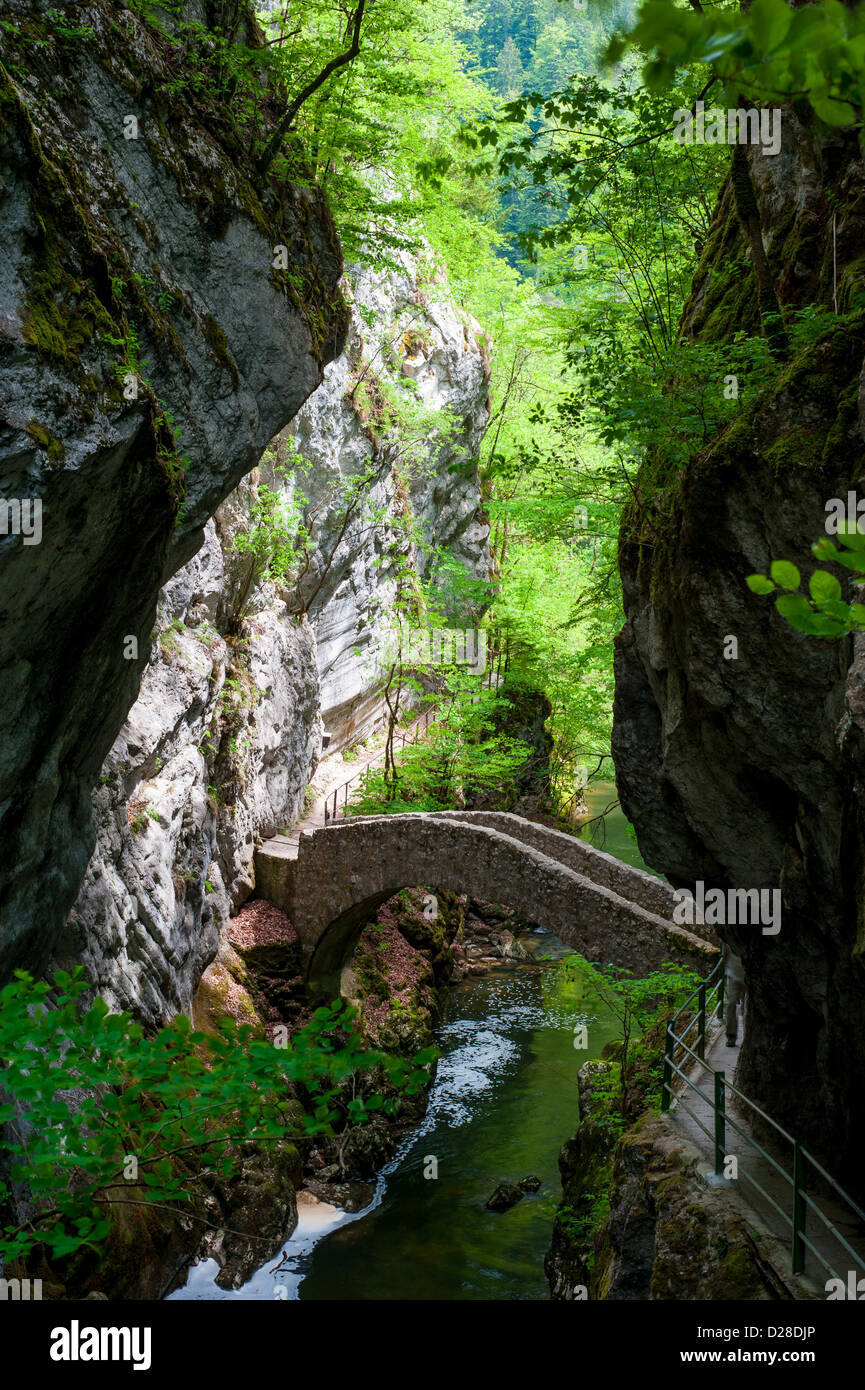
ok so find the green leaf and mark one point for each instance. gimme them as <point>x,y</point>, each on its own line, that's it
<point>851,537</point>
<point>770,21</point>
<point>833,112</point>
<point>836,609</point>
<point>823,586</point>
<point>798,612</point>
<point>825,550</point>
<point>759,584</point>
<point>851,560</point>
<point>785,575</point>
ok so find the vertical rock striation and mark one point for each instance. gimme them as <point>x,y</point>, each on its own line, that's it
<point>218,749</point>
<point>137,260</point>
<point>747,772</point>
<point>424,356</point>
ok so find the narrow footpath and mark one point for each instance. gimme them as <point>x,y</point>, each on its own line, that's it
<point>753,1168</point>
<point>334,772</point>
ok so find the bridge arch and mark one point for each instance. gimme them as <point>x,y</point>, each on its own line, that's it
<point>342,873</point>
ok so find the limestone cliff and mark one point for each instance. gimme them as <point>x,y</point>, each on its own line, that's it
<point>426,353</point>
<point>747,772</point>
<point>226,732</point>
<point>148,352</point>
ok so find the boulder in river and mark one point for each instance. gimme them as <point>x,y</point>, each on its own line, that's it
<point>530,1184</point>
<point>506,1195</point>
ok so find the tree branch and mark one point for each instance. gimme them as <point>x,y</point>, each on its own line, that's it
<point>273,145</point>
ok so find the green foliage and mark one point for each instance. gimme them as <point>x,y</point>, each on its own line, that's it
<point>588,373</point>
<point>461,756</point>
<point>638,1004</point>
<point>769,52</point>
<point>364,130</point>
<point>276,535</point>
<point>579,1226</point>
<point>822,612</point>
<point>84,1091</point>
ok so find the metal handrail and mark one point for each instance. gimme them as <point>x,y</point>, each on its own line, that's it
<point>801,1199</point>
<point>344,786</point>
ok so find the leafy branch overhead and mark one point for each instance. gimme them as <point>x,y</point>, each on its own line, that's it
<point>94,1114</point>
<point>311,87</point>
<point>822,612</point>
<point>768,51</point>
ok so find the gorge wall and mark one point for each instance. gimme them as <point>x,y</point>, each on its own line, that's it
<point>148,353</point>
<point>218,750</point>
<point>430,357</point>
<point>151,353</point>
<point>747,772</point>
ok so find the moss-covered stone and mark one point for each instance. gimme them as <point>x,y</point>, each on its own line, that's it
<point>636,1218</point>
<point>41,435</point>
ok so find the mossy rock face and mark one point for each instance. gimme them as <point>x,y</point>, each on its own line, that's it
<point>522,716</point>
<point>577,1258</point>
<point>147,359</point>
<point>431,936</point>
<point>721,758</point>
<point>367,1149</point>
<point>636,1220</point>
<point>273,976</point>
<point>42,436</point>
<point>257,1208</point>
<point>701,1251</point>
<point>221,995</point>
<point>145,1245</point>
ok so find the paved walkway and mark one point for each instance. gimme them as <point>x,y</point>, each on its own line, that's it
<point>333,772</point>
<point>753,1168</point>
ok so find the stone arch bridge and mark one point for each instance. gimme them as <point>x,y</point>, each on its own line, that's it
<point>331,880</point>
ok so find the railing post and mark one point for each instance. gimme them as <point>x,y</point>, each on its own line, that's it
<point>720,1121</point>
<point>798,1209</point>
<point>701,1026</point>
<point>667,1083</point>
<point>722,986</point>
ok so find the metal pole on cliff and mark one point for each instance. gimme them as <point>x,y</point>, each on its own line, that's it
<point>720,1121</point>
<point>701,1024</point>
<point>667,1084</point>
<point>798,1209</point>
